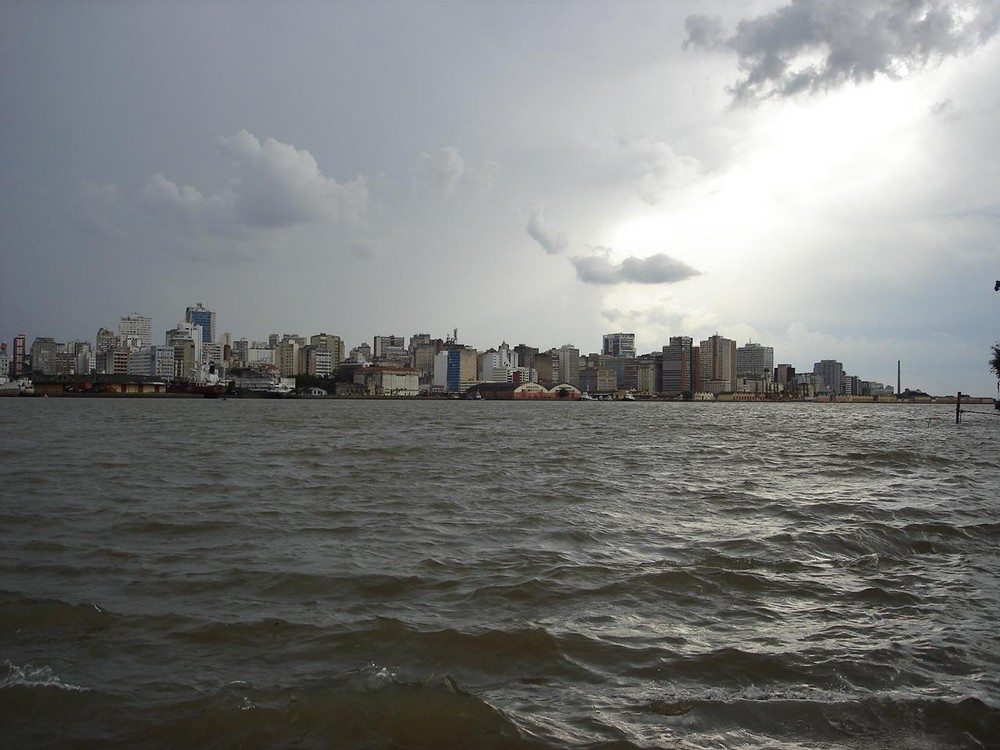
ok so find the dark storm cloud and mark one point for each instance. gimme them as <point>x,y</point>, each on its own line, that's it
<point>656,269</point>
<point>816,45</point>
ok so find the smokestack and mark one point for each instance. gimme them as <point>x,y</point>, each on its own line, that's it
<point>899,381</point>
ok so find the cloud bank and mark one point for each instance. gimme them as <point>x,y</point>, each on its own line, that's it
<point>810,46</point>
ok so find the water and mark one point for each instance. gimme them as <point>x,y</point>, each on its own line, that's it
<point>339,574</point>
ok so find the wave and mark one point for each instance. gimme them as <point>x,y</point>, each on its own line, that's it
<point>758,718</point>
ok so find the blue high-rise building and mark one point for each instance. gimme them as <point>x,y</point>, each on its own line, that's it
<point>199,316</point>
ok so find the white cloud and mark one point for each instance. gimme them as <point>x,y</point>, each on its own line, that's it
<point>439,171</point>
<point>650,167</point>
<point>551,240</point>
<point>276,186</point>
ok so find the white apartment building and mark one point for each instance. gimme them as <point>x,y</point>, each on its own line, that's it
<point>136,331</point>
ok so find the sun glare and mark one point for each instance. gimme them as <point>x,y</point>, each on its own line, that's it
<point>798,160</point>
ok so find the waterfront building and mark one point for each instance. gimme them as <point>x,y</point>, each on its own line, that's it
<point>161,361</point>
<point>718,364</point>
<point>140,362</point>
<point>390,348</point>
<point>832,372</point>
<point>189,337</point>
<point>547,366</point>
<point>649,373</point>
<point>199,316</point>
<point>680,367</point>
<point>212,353</point>
<point>240,353</point>
<point>361,353</point>
<point>850,385</point>
<point>332,344</point>
<point>619,345</point>
<point>423,353</point>
<point>187,354</point>
<point>4,363</point>
<point>455,370</point>
<point>755,361</point>
<point>136,331</point>
<point>105,340</point>
<point>872,388</point>
<point>286,355</point>
<point>316,360</point>
<point>43,355</point>
<point>498,365</point>
<point>259,353</point>
<point>784,374</point>
<point>526,355</point>
<point>18,365</point>
<point>569,364</point>
<point>598,380</point>
<point>447,370</point>
<point>388,381</point>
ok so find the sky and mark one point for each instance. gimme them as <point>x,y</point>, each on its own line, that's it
<point>818,176</point>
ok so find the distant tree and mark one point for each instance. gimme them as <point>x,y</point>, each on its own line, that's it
<point>995,359</point>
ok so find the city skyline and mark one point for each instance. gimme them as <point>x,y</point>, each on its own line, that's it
<point>728,365</point>
<point>820,176</point>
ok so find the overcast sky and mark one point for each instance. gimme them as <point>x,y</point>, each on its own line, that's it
<point>820,176</point>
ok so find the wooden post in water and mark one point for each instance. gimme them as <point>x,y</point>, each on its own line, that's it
<point>958,408</point>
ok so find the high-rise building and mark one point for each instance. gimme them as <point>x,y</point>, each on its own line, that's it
<point>498,365</point>
<point>783,374</point>
<point>105,341</point>
<point>161,361</point>
<point>390,349</point>
<point>526,355</point>
<point>287,355</point>
<point>4,363</point>
<point>755,361</point>
<point>199,316</point>
<point>447,371</point>
<point>43,355</point>
<point>136,331</point>
<point>569,364</point>
<point>18,366</point>
<point>332,344</point>
<point>649,373</point>
<point>187,339</point>
<point>678,368</point>
<point>832,373</point>
<point>619,345</point>
<point>718,364</point>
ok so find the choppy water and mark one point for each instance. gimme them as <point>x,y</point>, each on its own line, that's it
<point>334,574</point>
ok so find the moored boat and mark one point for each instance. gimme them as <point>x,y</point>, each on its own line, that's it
<point>19,387</point>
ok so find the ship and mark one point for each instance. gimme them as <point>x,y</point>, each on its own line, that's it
<point>206,383</point>
<point>19,387</point>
